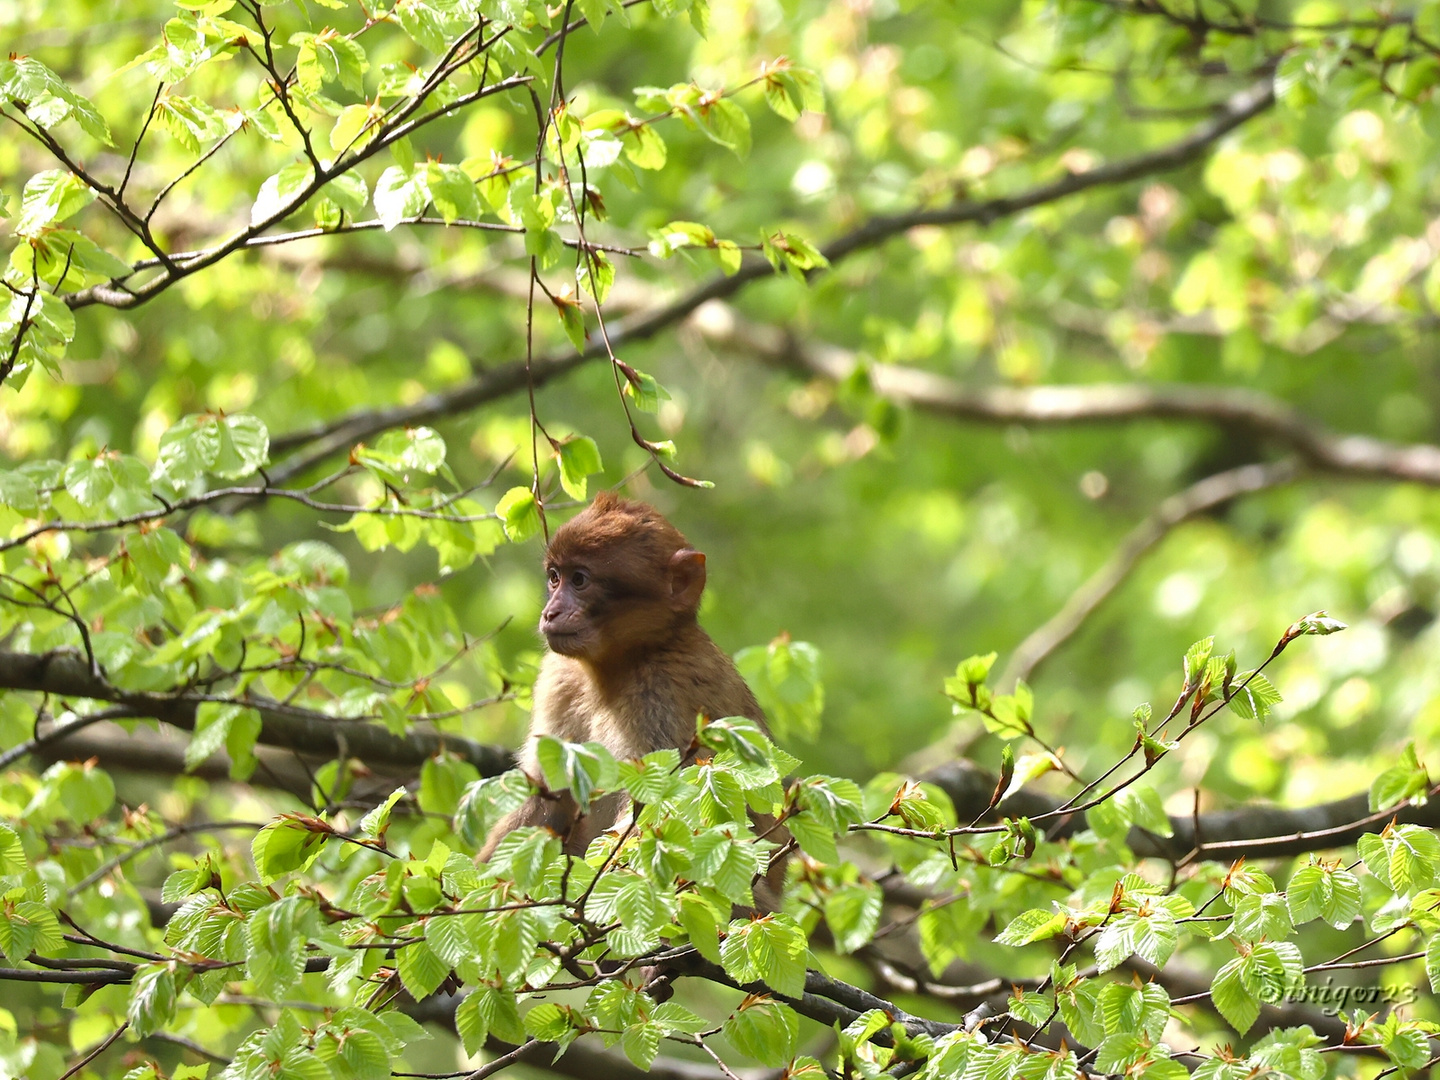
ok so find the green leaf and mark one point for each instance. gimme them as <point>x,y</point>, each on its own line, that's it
<point>792,253</point>
<point>1031,926</point>
<point>193,122</point>
<point>329,57</point>
<point>727,123</point>
<point>641,1043</point>
<point>1141,805</point>
<point>1253,696</point>
<point>1308,890</point>
<point>48,100</point>
<point>644,391</point>
<point>1196,657</point>
<point>487,1011</point>
<point>524,856</point>
<point>452,191</point>
<point>51,197</point>
<point>1406,778</point>
<point>652,779</point>
<point>152,998</point>
<point>279,192</point>
<point>774,949</point>
<point>420,969</point>
<point>728,864</point>
<point>632,901</point>
<point>594,13</point>
<point>219,726</point>
<point>786,678</point>
<point>1155,936</point>
<point>26,927</point>
<point>519,514</point>
<point>486,801</point>
<point>12,853</point>
<point>399,194</point>
<point>1233,999</point>
<point>287,844</point>
<point>1342,906</point>
<point>229,447</point>
<point>1115,943</point>
<point>572,320</point>
<point>582,767</point>
<point>644,147</point>
<point>853,914</point>
<point>764,1030</point>
<point>60,258</point>
<point>89,481</point>
<point>596,275</point>
<point>701,922</point>
<point>946,931</point>
<point>1319,623</point>
<point>275,938</point>
<point>78,792</point>
<point>377,820</point>
<point>352,122</point>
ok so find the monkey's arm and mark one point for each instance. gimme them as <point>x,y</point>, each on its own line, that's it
<point>557,813</point>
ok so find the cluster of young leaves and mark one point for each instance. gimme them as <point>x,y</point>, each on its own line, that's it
<point>550,948</point>
<point>125,543</point>
<point>328,109</point>
<point>1114,909</point>
<point>676,881</point>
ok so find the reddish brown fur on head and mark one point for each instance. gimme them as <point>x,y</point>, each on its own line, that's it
<point>610,524</point>
<point>621,578</point>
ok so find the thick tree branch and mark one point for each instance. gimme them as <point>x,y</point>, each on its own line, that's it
<point>583,1060</point>
<point>333,436</point>
<point>1265,416</point>
<point>65,673</point>
<point>1254,832</point>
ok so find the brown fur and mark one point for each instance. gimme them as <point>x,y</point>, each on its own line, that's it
<point>628,666</point>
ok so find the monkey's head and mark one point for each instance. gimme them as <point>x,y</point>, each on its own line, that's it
<point>620,578</point>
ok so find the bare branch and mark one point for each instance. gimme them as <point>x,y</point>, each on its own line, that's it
<point>1201,496</point>
<point>1267,417</point>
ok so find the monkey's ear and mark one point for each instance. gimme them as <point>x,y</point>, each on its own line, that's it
<point>687,579</point>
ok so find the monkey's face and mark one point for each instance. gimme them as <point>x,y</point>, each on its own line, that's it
<point>603,605</point>
<point>570,620</point>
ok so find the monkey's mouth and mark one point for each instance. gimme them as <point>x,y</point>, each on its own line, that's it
<point>565,642</point>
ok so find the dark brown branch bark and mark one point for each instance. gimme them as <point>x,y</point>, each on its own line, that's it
<point>331,437</point>
<point>583,1060</point>
<point>1254,832</point>
<point>65,673</point>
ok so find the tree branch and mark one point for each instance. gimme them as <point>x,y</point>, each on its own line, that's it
<point>1199,497</point>
<point>333,436</point>
<point>65,673</point>
<point>1255,832</point>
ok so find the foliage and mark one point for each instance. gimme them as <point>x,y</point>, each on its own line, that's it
<point>318,318</point>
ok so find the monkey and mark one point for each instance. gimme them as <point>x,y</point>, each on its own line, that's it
<point>627,664</point>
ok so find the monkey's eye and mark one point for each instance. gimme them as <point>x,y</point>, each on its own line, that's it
<point>579,579</point>
<point>553,577</point>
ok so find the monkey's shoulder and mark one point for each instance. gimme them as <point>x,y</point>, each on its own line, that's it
<point>692,677</point>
